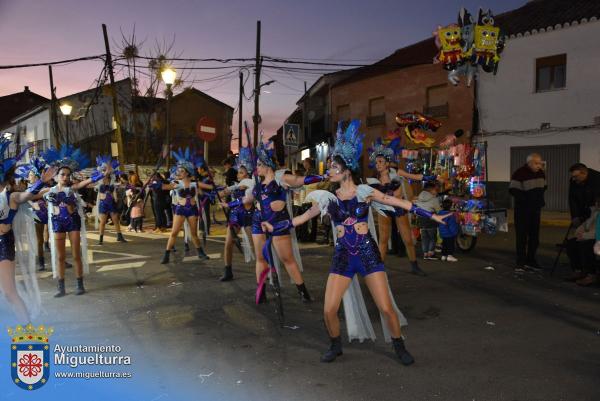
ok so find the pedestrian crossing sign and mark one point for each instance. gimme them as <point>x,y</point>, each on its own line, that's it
<point>291,134</point>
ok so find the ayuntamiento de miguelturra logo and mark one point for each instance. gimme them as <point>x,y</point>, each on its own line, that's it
<point>30,355</point>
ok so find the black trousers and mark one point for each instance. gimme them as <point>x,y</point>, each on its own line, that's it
<point>527,228</point>
<point>448,246</point>
<point>581,255</point>
<point>159,213</point>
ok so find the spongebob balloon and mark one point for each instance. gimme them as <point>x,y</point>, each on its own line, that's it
<point>480,45</point>
<point>486,42</point>
<point>448,41</point>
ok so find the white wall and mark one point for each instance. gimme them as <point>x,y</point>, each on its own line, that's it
<point>508,101</point>
<point>499,149</point>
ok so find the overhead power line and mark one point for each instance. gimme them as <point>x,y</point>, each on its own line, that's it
<point>6,67</point>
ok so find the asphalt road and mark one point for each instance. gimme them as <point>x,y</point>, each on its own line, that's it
<point>476,334</point>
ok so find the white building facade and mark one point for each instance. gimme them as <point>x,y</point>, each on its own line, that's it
<point>91,117</point>
<point>544,98</point>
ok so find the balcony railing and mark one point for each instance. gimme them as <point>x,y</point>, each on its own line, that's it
<point>376,120</point>
<point>436,111</point>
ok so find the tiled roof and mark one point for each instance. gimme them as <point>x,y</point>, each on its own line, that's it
<point>538,14</point>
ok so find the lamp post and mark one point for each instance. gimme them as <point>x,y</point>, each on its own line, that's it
<point>65,109</point>
<point>168,76</point>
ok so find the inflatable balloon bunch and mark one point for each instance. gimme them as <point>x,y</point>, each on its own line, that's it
<point>465,46</point>
<point>417,126</point>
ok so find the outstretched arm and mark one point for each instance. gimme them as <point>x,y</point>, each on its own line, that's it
<point>406,205</point>
<point>16,198</point>
<point>297,181</point>
<point>298,220</point>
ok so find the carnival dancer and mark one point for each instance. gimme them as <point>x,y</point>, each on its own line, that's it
<point>65,213</point>
<point>32,173</point>
<point>392,182</point>
<point>275,209</point>
<point>241,211</point>
<point>355,250</point>
<point>106,201</point>
<point>17,239</point>
<point>186,209</point>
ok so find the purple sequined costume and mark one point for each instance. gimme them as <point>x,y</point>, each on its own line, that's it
<point>7,240</point>
<point>354,252</point>
<point>64,221</point>
<point>270,193</point>
<point>239,216</point>
<point>188,194</point>
<point>107,205</point>
<point>389,189</point>
<point>41,213</point>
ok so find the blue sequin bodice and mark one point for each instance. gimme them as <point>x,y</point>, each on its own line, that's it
<point>348,212</point>
<point>388,188</point>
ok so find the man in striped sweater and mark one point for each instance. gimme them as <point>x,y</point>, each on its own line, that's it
<point>527,186</point>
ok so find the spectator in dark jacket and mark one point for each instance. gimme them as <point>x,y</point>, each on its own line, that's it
<point>527,186</point>
<point>583,191</point>
<point>230,172</point>
<point>448,232</point>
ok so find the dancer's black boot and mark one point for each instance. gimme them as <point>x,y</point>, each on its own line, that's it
<point>335,350</point>
<point>165,258</point>
<point>186,247</point>
<point>61,288</point>
<point>405,357</point>
<point>120,237</point>
<point>201,254</point>
<point>227,274</point>
<point>303,293</point>
<point>415,269</point>
<point>101,240</point>
<point>47,246</point>
<point>41,263</point>
<point>80,289</point>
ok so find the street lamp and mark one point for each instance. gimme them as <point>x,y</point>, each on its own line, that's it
<point>65,109</point>
<point>168,76</point>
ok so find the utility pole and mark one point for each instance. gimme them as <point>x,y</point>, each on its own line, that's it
<point>240,114</point>
<point>54,134</point>
<point>113,91</point>
<point>256,118</point>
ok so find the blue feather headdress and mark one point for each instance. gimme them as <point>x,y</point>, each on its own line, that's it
<point>173,173</point>
<point>379,149</point>
<point>244,159</point>
<point>348,144</point>
<point>103,161</point>
<point>67,156</point>
<point>7,164</point>
<point>188,161</point>
<point>35,166</point>
<point>265,152</point>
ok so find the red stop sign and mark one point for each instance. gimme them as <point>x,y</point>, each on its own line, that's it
<point>206,128</point>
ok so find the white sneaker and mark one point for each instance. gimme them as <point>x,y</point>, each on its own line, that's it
<point>443,258</point>
<point>451,258</point>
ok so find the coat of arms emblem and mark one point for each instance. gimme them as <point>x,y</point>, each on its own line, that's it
<point>30,356</point>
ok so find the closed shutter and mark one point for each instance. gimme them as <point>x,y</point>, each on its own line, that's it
<point>558,159</point>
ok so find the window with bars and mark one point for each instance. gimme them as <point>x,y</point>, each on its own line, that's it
<point>551,73</point>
